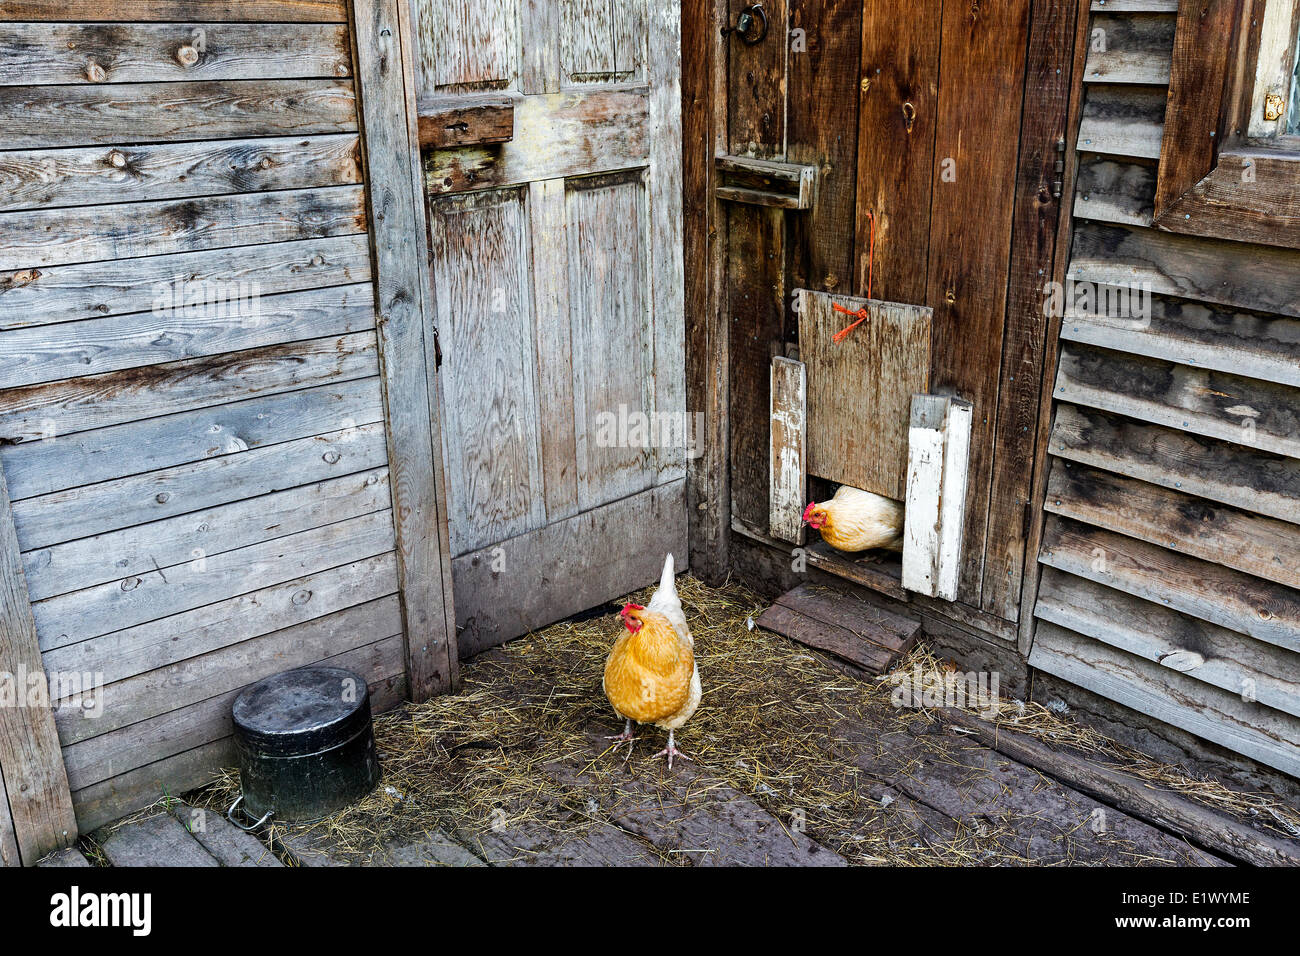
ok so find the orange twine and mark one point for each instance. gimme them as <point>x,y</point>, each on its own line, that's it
<point>862,313</point>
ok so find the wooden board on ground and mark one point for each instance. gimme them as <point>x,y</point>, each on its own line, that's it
<point>831,638</point>
<point>159,840</point>
<point>230,845</point>
<point>1003,807</point>
<point>532,843</point>
<point>843,624</point>
<point>860,389</point>
<point>788,489</point>
<point>1203,825</point>
<point>313,847</point>
<point>704,821</point>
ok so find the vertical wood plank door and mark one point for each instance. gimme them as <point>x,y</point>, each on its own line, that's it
<point>557,273</point>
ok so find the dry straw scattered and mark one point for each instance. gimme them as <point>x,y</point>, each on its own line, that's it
<point>769,727</point>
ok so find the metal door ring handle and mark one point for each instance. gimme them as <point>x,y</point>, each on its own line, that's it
<point>745,25</point>
<point>752,38</point>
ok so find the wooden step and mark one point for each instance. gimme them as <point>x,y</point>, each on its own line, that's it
<point>843,624</point>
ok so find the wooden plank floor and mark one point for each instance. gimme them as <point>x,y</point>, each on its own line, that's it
<point>924,786</point>
<point>932,785</point>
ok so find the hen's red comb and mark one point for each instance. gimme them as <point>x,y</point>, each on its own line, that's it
<point>632,607</point>
<point>807,512</point>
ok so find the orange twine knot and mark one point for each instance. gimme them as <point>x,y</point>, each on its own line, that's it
<point>862,313</point>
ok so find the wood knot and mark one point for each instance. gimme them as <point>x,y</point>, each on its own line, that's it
<point>117,158</point>
<point>94,72</point>
<point>187,55</point>
<point>302,597</point>
<point>331,457</point>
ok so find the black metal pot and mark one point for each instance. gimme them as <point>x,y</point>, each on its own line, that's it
<point>306,745</point>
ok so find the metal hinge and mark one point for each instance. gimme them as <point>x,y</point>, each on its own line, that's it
<point>1274,107</point>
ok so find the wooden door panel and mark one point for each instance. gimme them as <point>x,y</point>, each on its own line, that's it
<point>613,344</point>
<point>630,20</point>
<point>587,41</point>
<point>482,273</point>
<point>603,41</point>
<point>469,45</point>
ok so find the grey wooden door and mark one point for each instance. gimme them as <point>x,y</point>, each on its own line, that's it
<point>557,275</point>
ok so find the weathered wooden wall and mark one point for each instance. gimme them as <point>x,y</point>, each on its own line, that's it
<point>201,499</point>
<point>1174,490</point>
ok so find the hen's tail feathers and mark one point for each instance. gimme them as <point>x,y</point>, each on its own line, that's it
<point>666,601</point>
<point>666,594</point>
<point>667,582</point>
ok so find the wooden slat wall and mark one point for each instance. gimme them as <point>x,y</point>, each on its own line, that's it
<point>200,498</point>
<point>1174,492</point>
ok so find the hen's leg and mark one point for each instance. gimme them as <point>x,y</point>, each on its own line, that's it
<point>626,737</point>
<point>670,752</point>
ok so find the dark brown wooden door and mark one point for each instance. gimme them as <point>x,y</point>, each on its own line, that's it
<point>912,112</point>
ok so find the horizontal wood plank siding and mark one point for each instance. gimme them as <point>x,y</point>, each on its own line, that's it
<point>37,116</point>
<point>1172,540</point>
<point>115,52</point>
<point>192,418</point>
<point>85,175</point>
<point>257,11</point>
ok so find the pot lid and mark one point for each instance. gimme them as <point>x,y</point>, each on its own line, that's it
<point>303,711</point>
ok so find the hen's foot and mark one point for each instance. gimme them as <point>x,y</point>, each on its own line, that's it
<point>671,751</point>
<point>627,733</point>
<point>626,737</point>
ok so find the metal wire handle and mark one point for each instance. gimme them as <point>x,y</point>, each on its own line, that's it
<point>230,815</point>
